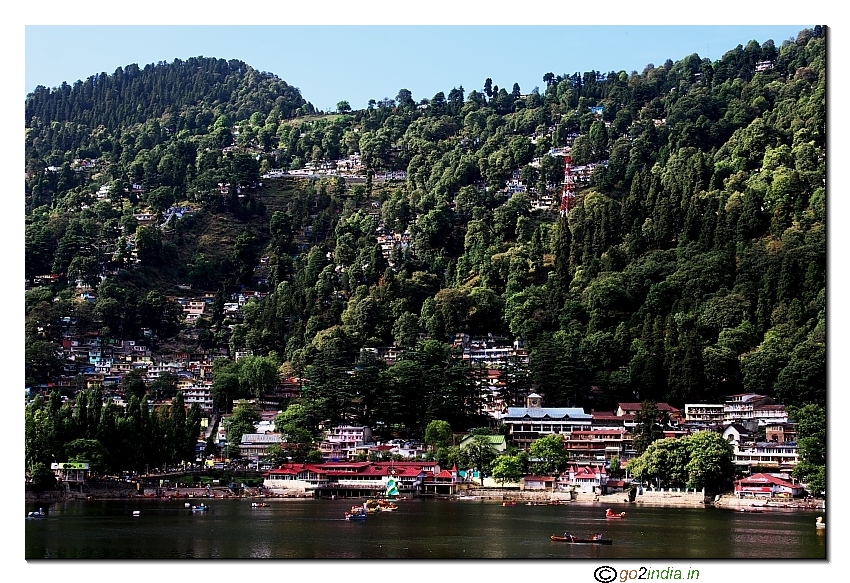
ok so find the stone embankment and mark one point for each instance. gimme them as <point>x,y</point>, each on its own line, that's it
<point>669,497</point>
<point>731,501</point>
<point>511,494</point>
<point>67,491</point>
<point>690,497</point>
<point>107,490</point>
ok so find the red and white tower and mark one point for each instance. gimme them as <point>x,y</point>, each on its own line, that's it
<point>569,193</point>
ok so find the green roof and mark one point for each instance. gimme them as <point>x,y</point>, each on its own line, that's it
<point>497,441</point>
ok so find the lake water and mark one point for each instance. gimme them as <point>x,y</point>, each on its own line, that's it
<point>420,529</point>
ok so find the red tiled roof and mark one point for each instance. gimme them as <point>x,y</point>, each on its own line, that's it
<point>342,469</point>
<point>610,416</point>
<point>539,479</point>
<point>409,472</point>
<point>587,471</point>
<point>639,406</point>
<point>765,479</point>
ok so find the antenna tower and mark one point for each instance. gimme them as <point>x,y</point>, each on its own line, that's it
<point>569,193</point>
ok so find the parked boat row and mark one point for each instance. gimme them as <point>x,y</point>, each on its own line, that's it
<point>534,503</point>
<point>371,506</point>
<point>581,541</point>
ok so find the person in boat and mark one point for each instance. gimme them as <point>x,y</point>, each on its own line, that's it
<point>597,536</point>
<point>569,537</point>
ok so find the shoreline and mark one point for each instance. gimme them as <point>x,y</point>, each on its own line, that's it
<point>692,499</point>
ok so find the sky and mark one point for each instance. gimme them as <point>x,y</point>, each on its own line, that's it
<point>358,63</point>
<point>49,41</point>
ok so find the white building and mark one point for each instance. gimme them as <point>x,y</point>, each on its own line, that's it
<point>528,424</point>
<point>704,413</point>
<point>343,441</point>
<point>782,456</point>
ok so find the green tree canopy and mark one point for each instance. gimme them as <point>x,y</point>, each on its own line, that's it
<point>438,434</point>
<point>548,454</point>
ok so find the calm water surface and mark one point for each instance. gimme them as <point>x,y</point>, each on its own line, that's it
<point>420,529</point>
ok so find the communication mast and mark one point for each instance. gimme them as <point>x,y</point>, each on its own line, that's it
<point>569,193</point>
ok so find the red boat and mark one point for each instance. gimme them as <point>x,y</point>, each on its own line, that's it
<point>580,541</point>
<point>609,514</point>
<point>509,503</point>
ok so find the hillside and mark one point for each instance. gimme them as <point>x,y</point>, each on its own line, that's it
<point>691,264</point>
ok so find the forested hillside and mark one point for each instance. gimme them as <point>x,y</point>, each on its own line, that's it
<point>693,265</point>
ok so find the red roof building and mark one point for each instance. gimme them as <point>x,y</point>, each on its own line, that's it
<point>344,479</point>
<point>766,486</point>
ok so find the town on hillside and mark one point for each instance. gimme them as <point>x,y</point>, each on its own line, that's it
<point>614,286</point>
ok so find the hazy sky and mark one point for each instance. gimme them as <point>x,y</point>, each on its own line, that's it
<point>357,63</point>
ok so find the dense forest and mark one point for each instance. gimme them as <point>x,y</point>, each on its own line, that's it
<point>693,265</point>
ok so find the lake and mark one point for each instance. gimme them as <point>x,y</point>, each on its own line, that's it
<point>420,529</point>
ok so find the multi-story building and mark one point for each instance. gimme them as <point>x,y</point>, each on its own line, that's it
<point>781,456</point>
<point>704,413</point>
<point>599,444</point>
<point>665,409</point>
<point>343,442</point>
<point>528,424</point>
<point>780,432</point>
<point>255,445</point>
<point>606,420</point>
<point>770,414</point>
<point>199,392</point>
<point>742,407</point>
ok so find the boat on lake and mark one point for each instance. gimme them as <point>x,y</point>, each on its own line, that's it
<point>509,503</point>
<point>40,513</point>
<point>258,504</point>
<point>200,508</point>
<point>819,523</point>
<point>357,513</point>
<point>610,514</point>
<point>580,541</point>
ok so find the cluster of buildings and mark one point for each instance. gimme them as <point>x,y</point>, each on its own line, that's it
<point>390,241</point>
<point>350,168</point>
<point>357,479</point>
<point>98,361</point>
<point>347,479</point>
<point>757,428</point>
<point>591,440</point>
